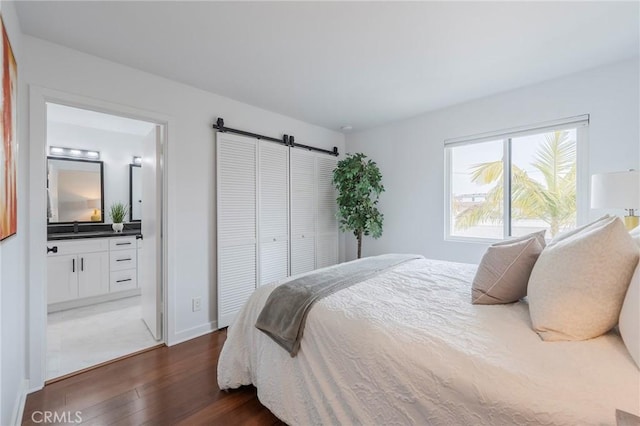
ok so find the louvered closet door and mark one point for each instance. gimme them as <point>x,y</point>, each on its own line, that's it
<point>327,223</point>
<point>237,215</point>
<point>303,211</point>
<point>273,211</point>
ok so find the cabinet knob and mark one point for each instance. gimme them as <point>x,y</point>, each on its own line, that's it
<point>274,239</point>
<point>303,236</point>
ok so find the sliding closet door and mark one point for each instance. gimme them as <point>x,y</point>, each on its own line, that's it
<point>237,215</point>
<point>273,212</point>
<point>303,211</point>
<point>327,223</point>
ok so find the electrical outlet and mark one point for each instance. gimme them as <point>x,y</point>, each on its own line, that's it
<point>195,304</point>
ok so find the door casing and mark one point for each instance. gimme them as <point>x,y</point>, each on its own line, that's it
<point>37,235</point>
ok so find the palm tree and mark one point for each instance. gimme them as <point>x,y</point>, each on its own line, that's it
<point>553,201</point>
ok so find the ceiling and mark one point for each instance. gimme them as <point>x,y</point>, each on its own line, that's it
<point>96,120</point>
<point>336,63</point>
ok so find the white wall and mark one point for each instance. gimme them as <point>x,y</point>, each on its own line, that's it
<point>116,151</point>
<point>411,156</point>
<point>190,161</point>
<point>13,270</point>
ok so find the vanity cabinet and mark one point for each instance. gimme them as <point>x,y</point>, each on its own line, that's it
<point>123,260</point>
<point>62,278</point>
<point>78,269</point>
<point>86,271</point>
<point>93,274</point>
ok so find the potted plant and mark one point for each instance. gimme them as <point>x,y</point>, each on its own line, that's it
<point>359,185</point>
<point>118,212</point>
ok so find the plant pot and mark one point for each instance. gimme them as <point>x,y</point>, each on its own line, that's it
<point>118,227</point>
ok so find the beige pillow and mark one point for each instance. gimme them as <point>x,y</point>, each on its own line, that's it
<point>504,270</point>
<point>578,284</point>
<point>629,322</point>
<point>580,229</point>
<point>537,235</point>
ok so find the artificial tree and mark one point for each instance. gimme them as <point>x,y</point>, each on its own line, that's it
<point>359,185</point>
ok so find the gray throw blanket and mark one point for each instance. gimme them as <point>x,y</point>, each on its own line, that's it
<point>284,314</point>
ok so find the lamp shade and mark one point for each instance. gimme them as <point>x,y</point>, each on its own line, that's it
<point>94,203</point>
<point>617,190</point>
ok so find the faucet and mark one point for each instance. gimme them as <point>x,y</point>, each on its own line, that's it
<point>75,226</point>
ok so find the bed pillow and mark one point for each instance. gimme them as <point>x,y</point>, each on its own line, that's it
<point>629,323</point>
<point>578,284</point>
<point>580,229</point>
<point>504,270</point>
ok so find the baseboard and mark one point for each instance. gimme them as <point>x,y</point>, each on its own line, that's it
<point>21,399</point>
<point>78,303</point>
<point>192,333</point>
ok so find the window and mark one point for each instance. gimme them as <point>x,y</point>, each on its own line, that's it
<point>539,190</point>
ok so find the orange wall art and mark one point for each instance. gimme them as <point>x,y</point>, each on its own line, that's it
<point>8,146</point>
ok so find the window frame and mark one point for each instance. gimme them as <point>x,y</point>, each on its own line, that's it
<point>580,123</point>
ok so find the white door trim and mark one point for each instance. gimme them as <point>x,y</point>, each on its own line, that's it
<point>37,237</point>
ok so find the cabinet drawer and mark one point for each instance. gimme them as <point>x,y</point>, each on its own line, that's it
<point>122,243</point>
<point>88,245</point>
<point>123,259</point>
<point>123,280</point>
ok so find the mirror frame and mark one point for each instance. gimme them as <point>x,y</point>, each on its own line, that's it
<point>79,160</point>
<point>131,166</point>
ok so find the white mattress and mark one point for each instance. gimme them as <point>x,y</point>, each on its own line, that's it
<point>408,347</point>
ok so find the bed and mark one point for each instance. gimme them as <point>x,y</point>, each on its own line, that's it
<point>408,347</point>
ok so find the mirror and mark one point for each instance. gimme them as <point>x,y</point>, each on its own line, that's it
<point>75,190</point>
<point>135,193</point>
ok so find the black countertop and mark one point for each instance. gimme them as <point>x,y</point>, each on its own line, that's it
<point>92,234</point>
<point>81,230</point>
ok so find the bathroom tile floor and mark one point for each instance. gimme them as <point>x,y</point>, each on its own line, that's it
<point>82,337</point>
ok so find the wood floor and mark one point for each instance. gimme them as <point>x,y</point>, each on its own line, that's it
<point>165,386</point>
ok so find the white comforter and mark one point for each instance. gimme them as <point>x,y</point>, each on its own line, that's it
<point>408,347</point>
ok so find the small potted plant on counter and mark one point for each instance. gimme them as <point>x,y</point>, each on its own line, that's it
<point>118,212</point>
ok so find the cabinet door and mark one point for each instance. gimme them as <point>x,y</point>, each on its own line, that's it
<point>274,260</point>
<point>93,277</point>
<point>326,250</point>
<point>303,211</point>
<point>273,212</point>
<point>62,278</point>
<point>327,222</point>
<point>303,255</point>
<point>237,223</point>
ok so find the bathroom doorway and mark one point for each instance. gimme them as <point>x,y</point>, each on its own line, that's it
<point>104,250</point>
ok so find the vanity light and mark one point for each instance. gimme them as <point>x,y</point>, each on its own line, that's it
<point>137,160</point>
<point>73,152</point>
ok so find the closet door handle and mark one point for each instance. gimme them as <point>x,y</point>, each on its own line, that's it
<point>73,265</point>
<point>123,260</point>
<point>82,264</point>
<point>53,249</point>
